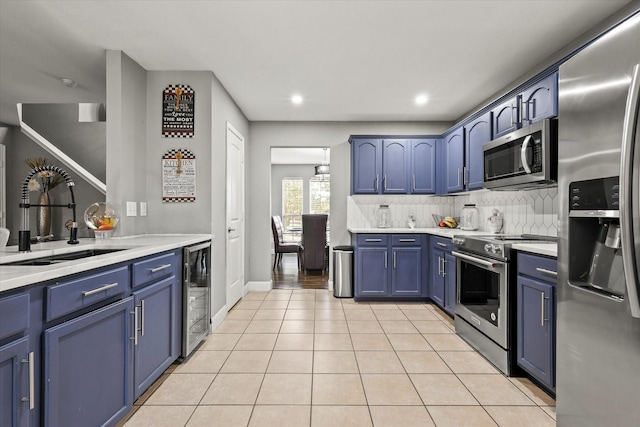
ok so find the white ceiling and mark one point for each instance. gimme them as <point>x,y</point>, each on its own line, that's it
<point>350,60</point>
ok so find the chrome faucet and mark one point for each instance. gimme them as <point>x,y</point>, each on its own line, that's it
<point>24,234</point>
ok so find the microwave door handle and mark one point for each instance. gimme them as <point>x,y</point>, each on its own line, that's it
<point>626,193</point>
<point>523,154</point>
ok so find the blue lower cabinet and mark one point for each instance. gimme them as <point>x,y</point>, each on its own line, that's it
<point>437,287</point>
<point>154,352</point>
<point>536,317</point>
<point>88,368</point>
<point>390,266</point>
<point>406,272</point>
<point>14,384</point>
<point>442,279</point>
<point>371,272</point>
<point>536,329</point>
<point>450,283</point>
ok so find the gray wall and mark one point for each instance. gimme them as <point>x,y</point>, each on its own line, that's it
<point>335,135</point>
<point>135,148</point>
<point>278,172</point>
<point>126,138</point>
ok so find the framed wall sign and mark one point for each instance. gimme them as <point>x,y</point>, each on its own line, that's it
<point>178,111</point>
<point>178,176</point>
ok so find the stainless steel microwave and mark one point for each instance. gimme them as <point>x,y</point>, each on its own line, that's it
<point>525,158</point>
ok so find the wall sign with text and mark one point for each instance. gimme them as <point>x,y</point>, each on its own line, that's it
<point>178,176</point>
<point>178,111</point>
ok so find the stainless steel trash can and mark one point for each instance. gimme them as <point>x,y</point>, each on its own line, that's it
<point>343,271</point>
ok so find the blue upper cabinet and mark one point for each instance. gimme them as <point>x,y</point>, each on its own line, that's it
<point>506,117</point>
<point>366,166</point>
<point>540,101</point>
<point>477,133</point>
<point>423,166</point>
<point>453,147</point>
<point>395,166</point>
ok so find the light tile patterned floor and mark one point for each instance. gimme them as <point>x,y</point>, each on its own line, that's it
<point>304,358</point>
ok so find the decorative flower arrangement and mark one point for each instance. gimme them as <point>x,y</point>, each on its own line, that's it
<point>48,180</point>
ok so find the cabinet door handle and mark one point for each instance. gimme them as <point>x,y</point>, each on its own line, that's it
<point>542,310</point>
<point>164,266</point>
<point>100,289</point>
<point>385,260</point>
<point>413,183</point>
<point>135,325</point>
<point>384,182</point>
<point>141,318</point>
<point>376,184</point>
<point>441,244</point>
<point>444,268</point>
<point>373,240</point>
<point>32,385</point>
<point>545,271</point>
<point>465,175</point>
<point>407,240</point>
<point>439,266</point>
<point>394,259</point>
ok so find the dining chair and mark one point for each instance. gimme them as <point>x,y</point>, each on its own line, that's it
<point>280,246</point>
<point>315,250</point>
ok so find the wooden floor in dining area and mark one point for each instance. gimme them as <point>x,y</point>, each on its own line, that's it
<point>287,276</point>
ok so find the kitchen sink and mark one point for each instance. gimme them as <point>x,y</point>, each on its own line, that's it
<point>56,259</point>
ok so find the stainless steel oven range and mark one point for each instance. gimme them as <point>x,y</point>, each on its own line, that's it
<point>485,295</point>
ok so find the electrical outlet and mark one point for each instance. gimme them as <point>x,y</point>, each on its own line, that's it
<point>131,209</point>
<point>143,208</point>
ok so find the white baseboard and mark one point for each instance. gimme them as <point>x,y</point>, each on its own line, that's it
<point>265,286</point>
<point>217,318</point>
<point>330,283</point>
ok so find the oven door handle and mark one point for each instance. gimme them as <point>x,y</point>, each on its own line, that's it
<point>482,262</point>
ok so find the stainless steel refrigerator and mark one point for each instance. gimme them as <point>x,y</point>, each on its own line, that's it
<point>598,313</point>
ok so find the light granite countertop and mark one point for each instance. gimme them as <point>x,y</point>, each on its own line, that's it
<point>540,248</point>
<point>16,276</point>
<point>546,248</point>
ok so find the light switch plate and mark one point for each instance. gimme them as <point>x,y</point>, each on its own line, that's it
<point>143,208</point>
<point>131,209</point>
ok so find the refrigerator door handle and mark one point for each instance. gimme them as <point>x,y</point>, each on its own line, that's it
<point>626,191</point>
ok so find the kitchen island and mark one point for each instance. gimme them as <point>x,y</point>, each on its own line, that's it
<point>81,339</point>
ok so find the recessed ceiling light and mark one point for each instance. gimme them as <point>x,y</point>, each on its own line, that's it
<point>421,99</point>
<point>69,82</point>
<point>296,99</point>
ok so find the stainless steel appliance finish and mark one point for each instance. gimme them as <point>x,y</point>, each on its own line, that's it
<point>484,299</point>
<point>196,298</point>
<point>598,324</point>
<point>525,158</point>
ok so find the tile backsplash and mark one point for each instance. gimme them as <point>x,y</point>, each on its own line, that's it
<point>524,212</point>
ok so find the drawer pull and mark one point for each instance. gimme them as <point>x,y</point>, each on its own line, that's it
<point>373,240</point>
<point>95,291</point>
<point>407,240</point>
<point>545,271</point>
<point>441,244</point>
<point>162,267</point>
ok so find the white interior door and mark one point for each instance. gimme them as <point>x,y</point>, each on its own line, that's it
<point>235,216</point>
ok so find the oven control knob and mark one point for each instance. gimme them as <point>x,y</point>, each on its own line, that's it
<point>496,249</point>
<point>487,247</point>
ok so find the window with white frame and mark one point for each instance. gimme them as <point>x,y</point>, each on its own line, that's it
<point>292,208</point>
<point>319,198</point>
